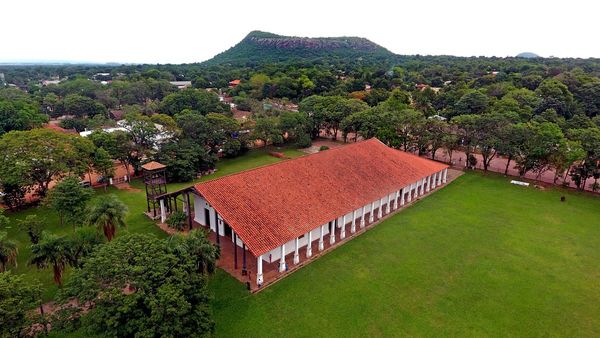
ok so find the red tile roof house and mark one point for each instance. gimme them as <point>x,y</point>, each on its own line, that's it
<point>300,207</point>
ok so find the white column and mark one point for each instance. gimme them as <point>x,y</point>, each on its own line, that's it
<point>423,186</point>
<point>417,187</point>
<point>362,217</point>
<point>321,244</point>
<point>343,228</point>
<point>259,271</point>
<point>163,212</point>
<point>110,181</point>
<point>434,181</point>
<point>387,205</point>
<point>371,216</point>
<point>296,253</point>
<point>402,192</point>
<point>409,197</point>
<point>220,225</point>
<point>445,179</point>
<point>282,259</point>
<point>353,225</point>
<point>396,198</point>
<point>309,245</point>
<point>428,183</point>
<point>332,233</point>
<point>439,178</point>
<point>380,209</point>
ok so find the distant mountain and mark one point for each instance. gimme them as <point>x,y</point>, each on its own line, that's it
<point>262,47</point>
<point>528,55</point>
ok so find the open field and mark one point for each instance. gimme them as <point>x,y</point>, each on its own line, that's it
<point>480,257</point>
<point>136,220</point>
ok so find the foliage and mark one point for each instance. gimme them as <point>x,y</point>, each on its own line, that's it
<point>32,159</point>
<point>17,298</point>
<point>8,252</point>
<point>201,101</point>
<point>80,106</point>
<point>51,251</point>
<point>69,199</point>
<point>267,130</point>
<point>166,287</point>
<point>177,220</point>
<point>19,114</point>
<point>107,213</point>
<point>184,160</point>
<point>33,226</point>
<point>322,148</point>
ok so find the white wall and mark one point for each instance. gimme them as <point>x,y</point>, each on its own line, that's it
<point>199,206</point>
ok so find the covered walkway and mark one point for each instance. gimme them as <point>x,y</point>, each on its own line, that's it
<point>259,272</point>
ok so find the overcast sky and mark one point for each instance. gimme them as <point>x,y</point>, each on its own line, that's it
<point>177,31</point>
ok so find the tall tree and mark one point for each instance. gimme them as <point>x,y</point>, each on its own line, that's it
<point>51,251</point>
<point>69,199</point>
<point>546,139</point>
<point>37,157</point>
<point>107,213</point>
<point>199,100</point>
<point>267,130</point>
<point>166,287</point>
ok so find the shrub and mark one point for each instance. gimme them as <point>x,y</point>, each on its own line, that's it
<point>303,141</point>
<point>177,220</point>
<point>232,148</point>
<point>323,148</point>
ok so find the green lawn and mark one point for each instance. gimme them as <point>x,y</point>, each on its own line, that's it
<point>136,220</point>
<point>480,257</point>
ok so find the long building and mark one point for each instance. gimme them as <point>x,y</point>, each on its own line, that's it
<point>300,207</point>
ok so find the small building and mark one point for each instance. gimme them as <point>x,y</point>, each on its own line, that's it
<point>234,83</point>
<point>181,84</point>
<point>49,82</point>
<point>281,215</point>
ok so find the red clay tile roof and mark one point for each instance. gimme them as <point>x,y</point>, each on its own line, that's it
<point>57,128</point>
<point>271,205</point>
<point>153,166</point>
<point>235,82</point>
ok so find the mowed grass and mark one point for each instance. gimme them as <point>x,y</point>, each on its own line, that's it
<point>480,257</point>
<point>136,220</point>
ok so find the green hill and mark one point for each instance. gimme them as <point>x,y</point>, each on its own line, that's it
<point>262,47</point>
<point>528,55</point>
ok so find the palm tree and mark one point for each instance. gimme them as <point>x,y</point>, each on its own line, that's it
<point>108,213</point>
<point>8,252</point>
<point>197,245</point>
<point>53,251</point>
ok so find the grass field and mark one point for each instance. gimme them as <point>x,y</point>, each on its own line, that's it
<point>479,257</point>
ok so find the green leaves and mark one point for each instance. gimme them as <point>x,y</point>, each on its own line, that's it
<point>69,199</point>
<point>148,287</point>
<point>107,213</point>
<point>17,299</point>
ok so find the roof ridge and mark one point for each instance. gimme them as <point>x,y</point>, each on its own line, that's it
<point>289,159</point>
